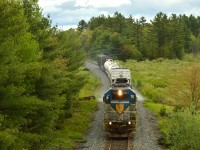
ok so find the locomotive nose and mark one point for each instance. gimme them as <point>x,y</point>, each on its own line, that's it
<point>120,108</point>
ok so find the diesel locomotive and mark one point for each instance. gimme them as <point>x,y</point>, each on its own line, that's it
<point>119,100</point>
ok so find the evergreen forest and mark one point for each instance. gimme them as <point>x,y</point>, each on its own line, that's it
<point>129,38</point>
<point>40,65</point>
<point>39,75</point>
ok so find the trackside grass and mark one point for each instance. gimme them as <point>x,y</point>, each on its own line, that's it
<point>180,129</point>
<point>74,128</point>
<point>93,83</point>
<point>159,109</point>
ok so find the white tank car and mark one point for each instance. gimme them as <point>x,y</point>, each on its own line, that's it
<point>109,65</point>
<point>116,74</point>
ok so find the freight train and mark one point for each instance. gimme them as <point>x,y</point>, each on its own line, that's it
<point>119,100</point>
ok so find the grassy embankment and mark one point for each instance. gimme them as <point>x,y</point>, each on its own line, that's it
<point>75,127</point>
<point>180,129</point>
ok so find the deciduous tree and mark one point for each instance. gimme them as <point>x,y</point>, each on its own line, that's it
<point>186,89</point>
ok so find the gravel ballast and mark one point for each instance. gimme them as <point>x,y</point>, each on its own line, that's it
<point>147,132</point>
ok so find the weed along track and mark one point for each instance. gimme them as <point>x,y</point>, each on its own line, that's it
<point>119,144</point>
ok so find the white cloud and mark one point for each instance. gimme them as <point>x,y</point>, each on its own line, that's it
<point>52,5</point>
<point>166,3</point>
<point>67,27</point>
<point>67,13</point>
<point>102,3</point>
<point>193,11</point>
<point>73,17</point>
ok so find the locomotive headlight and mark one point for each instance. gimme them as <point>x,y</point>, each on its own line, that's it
<point>119,93</point>
<point>110,123</point>
<point>129,122</point>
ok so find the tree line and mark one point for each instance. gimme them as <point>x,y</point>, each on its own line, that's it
<point>129,38</point>
<point>39,79</point>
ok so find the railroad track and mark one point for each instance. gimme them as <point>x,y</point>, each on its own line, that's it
<point>119,144</point>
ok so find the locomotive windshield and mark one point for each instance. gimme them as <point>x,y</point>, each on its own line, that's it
<point>119,96</point>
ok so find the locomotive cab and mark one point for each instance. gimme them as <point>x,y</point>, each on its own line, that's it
<point>119,95</point>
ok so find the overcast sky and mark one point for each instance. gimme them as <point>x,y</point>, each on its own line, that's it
<point>67,13</point>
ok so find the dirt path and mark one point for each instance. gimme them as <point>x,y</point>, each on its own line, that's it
<point>147,133</point>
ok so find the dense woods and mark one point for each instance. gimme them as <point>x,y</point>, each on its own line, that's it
<point>129,38</point>
<point>38,75</point>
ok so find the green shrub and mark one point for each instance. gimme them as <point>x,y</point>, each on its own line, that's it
<point>152,93</point>
<point>138,83</point>
<point>163,111</point>
<point>184,132</point>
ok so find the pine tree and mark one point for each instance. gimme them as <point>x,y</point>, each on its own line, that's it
<point>82,25</point>
<point>161,31</point>
<point>177,37</point>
